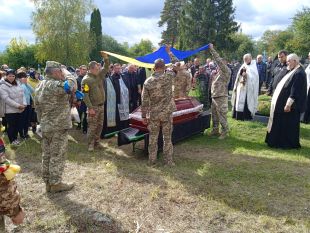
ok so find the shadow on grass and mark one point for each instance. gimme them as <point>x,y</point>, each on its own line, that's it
<point>252,184</point>
<point>29,156</point>
<point>256,185</point>
<point>84,218</point>
<point>81,217</point>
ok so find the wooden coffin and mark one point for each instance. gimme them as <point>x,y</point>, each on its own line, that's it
<point>187,110</point>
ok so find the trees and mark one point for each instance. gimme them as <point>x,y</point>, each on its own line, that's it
<point>273,41</point>
<point>300,27</point>
<point>204,21</point>
<point>241,44</point>
<point>142,48</point>
<point>170,17</point>
<point>61,31</point>
<point>19,53</point>
<point>3,58</point>
<point>96,34</point>
<point>295,38</point>
<point>111,45</point>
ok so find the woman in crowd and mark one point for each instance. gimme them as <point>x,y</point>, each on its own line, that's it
<point>33,81</point>
<point>13,96</point>
<point>3,126</point>
<point>26,114</point>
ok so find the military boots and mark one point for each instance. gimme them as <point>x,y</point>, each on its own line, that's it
<point>59,187</point>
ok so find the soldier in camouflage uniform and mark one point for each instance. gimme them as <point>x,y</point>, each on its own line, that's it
<point>53,109</point>
<point>219,94</point>
<point>182,81</point>
<point>94,97</point>
<point>9,196</point>
<point>157,108</point>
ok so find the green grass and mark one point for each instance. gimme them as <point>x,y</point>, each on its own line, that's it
<point>248,138</point>
<point>253,177</point>
<point>234,185</point>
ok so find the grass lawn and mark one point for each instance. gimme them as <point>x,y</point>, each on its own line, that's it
<point>234,185</point>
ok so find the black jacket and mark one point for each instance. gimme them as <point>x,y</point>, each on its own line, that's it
<point>278,73</point>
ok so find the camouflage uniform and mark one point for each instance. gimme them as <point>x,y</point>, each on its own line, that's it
<point>182,83</point>
<point>219,94</point>
<point>158,104</point>
<point>53,110</point>
<point>94,97</point>
<point>9,197</point>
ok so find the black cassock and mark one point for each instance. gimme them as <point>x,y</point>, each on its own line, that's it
<point>286,125</point>
<point>119,124</point>
<point>306,117</point>
<point>246,115</point>
<point>132,82</point>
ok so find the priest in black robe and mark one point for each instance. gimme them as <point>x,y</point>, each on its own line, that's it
<point>306,115</point>
<point>131,80</point>
<point>120,99</point>
<point>141,76</point>
<point>288,102</point>
<point>116,78</point>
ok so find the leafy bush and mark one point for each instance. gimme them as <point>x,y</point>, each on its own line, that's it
<point>264,98</point>
<point>264,103</point>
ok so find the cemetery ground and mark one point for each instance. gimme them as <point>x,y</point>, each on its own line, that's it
<point>232,185</point>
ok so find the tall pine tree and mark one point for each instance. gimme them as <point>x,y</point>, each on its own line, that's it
<point>96,34</point>
<point>205,21</point>
<point>169,17</point>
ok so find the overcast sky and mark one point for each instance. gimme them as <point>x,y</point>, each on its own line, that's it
<point>133,20</point>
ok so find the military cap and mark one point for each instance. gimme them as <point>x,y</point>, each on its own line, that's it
<point>53,64</point>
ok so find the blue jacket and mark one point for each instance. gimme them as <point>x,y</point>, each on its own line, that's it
<point>262,71</point>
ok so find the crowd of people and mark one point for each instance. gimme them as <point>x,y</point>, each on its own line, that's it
<point>119,92</point>
<point>105,94</point>
<point>16,105</point>
<point>288,82</point>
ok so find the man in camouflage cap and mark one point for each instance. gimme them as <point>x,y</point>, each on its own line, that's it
<point>53,109</point>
